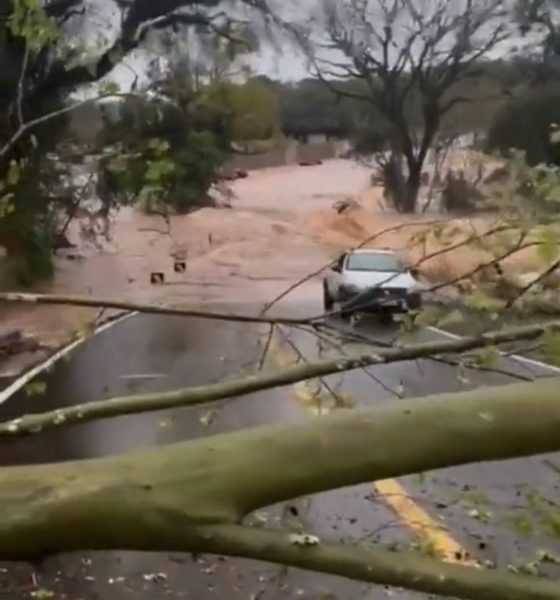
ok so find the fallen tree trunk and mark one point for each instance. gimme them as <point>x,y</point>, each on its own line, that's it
<point>178,497</point>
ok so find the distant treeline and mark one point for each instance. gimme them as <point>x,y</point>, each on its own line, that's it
<point>502,93</point>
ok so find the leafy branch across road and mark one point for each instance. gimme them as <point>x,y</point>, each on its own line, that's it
<point>192,396</point>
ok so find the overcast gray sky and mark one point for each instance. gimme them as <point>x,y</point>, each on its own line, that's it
<point>101,21</point>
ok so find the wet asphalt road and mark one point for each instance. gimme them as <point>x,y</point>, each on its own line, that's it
<point>492,511</point>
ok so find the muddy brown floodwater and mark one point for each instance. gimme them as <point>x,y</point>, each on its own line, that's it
<point>271,237</point>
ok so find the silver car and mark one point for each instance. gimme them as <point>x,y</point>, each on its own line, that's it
<point>375,281</point>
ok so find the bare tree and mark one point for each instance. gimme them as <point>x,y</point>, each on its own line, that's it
<point>399,53</point>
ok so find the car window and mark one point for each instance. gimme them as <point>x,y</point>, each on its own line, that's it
<point>366,261</point>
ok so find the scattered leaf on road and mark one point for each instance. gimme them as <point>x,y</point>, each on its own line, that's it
<point>35,388</point>
<point>303,539</point>
<point>42,594</point>
<point>208,418</point>
<point>155,577</point>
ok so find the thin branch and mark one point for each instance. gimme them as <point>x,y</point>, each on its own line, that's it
<point>356,337</point>
<point>476,367</point>
<point>158,309</point>
<point>20,86</point>
<point>266,348</point>
<point>25,127</point>
<point>553,267</point>
<point>192,396</point>
<point>482,266</point>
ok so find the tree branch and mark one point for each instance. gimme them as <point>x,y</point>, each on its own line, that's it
<point>192,396</point>
<point>553,267</point>
<point>158,309</point>
<point>366,562</point>
<point>23,128</point>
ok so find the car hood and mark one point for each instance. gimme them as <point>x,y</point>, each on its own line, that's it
<point>365,279</point>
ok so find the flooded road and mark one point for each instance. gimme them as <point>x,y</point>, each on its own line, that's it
<point>475,504</point>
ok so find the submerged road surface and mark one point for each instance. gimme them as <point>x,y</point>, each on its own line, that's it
<point>502,513</point>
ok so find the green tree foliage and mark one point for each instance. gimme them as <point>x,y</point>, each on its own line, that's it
<point>310,105</point>
<point>254,110</point>
<point>167,151</point>
<point>174,145</point>
<point>525,124</point>
<point>30,180</point>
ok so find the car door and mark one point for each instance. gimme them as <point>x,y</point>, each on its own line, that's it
<point>334,279</point>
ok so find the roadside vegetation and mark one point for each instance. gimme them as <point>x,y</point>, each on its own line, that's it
<point>405,86</point>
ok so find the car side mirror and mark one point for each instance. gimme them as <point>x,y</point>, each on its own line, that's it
<point>414,272</point>
<point>336,268</point>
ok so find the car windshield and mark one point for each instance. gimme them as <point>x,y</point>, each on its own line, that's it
<point>374,261</point>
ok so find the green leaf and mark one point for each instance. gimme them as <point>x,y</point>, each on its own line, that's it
<point>483,302</point>
<point>550,520</point>
<point>13,173</point>
<point>451,318</point>
<point>158,170</point>
<point>6,205</point>
<point>473,497</point>
<point>111,87</point>
<point>425,544</point>
<point>427,316</point>
<point>484,516</point>
<point>42,594</point>
<point>35,388</point>
<point>522,524</point>
<point>487,358</point>
<point>407,321</point>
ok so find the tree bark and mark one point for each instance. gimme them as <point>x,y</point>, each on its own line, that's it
<point>411,190</point>
<point>367,563</point>
<point>403,190</point>
<point>189,496</point>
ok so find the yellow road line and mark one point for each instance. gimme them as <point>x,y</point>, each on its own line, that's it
<point>417,519</point>
<point>394,494</point>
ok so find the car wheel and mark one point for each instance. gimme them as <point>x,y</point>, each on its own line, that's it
<point>328,302</point>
